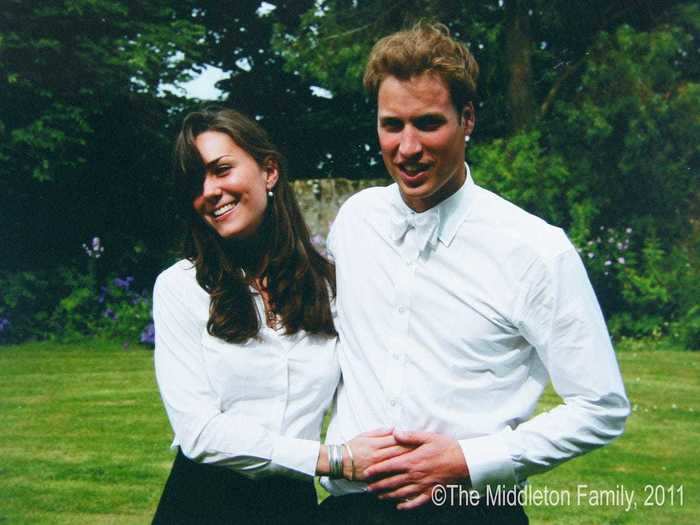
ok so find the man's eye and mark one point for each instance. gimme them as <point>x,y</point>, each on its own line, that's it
<point>392,125</point>
<point>429,124</point>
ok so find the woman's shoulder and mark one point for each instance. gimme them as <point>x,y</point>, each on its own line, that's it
<point>179,279</point>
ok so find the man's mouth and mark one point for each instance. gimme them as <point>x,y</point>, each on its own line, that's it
<point>413,169</point>
<point>223,210</point>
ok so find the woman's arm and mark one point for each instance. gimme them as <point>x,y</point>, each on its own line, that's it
<point>204,432</point>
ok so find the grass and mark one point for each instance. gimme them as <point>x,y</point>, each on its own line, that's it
<point>84,440</point>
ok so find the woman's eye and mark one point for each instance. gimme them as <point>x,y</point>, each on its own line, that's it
<point>219,171</point>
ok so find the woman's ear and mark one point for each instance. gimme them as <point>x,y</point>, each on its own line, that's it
<point>272,173</point>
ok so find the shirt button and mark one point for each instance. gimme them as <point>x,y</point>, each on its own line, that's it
<point>402,309</point>
<point>393,402</point>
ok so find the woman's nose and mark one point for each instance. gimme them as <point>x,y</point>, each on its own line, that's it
<point>211,189</point>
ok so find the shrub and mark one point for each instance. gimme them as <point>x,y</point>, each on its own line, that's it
<point>67,304</point>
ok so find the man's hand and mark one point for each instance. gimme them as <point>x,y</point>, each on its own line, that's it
<point>370,448</point>
<point>410,477</point>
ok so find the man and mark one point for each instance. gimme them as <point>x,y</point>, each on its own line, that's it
<point>455,309</point>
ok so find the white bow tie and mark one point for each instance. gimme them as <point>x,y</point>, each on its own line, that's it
<point>425,225</point>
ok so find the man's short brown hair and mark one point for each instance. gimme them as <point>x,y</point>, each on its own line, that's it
<point>425,48</point>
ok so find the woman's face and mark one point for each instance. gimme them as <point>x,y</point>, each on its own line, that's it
<point>233,196</point>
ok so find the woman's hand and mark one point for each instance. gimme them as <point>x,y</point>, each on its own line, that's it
<point>369,448</point>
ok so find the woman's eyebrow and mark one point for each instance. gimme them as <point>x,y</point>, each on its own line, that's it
<point>213,163</point>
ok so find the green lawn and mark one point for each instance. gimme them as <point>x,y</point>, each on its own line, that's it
<point>84,439</point>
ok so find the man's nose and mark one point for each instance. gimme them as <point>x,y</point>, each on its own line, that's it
<point>410,145</point>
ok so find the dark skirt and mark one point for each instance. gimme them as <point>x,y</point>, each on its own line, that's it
<point>196,493</point>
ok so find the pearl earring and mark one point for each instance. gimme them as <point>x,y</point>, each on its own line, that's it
<point>466,138</point>
<point>270,194</point>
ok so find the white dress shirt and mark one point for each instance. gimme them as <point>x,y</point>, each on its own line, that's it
<point>254,407</point>
<point>454,320</point>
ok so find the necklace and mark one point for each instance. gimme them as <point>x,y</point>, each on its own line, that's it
<point>270,314</point>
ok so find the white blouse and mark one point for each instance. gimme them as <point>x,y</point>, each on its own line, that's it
<point>254,407</point>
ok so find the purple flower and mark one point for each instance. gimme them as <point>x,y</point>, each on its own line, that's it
<point>4,324</point>
<point>101,296</point>
<point>94,251</point>
<point>124,283</point>
<point>148,336</point>
<point>109,314</point>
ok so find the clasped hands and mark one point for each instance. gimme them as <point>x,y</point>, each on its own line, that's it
<point>406,466</point>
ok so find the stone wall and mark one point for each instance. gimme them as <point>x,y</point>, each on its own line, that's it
<point>320,200</point>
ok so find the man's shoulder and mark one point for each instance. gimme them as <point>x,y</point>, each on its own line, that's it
<point>519,225</point>
<point>369,198</point>
<point>366,201</point>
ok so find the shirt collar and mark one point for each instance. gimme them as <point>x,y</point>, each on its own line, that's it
<point>451,212</point>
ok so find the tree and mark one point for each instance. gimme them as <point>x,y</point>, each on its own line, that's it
<point>84,132</point>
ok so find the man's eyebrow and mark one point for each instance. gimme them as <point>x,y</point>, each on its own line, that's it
<point>418,118</point>
<point>429,116</point>
<point>387,118</point>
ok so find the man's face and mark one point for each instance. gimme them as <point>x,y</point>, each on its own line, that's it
<point>421,136</point>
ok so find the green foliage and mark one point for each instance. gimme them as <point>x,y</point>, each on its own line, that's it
<point>687,329</point>
<point>125,312</point>
<point>68,305</point>
<point>76,314</point>
<point>24,304</point>
<point>630,130</point>
<point>520,170</point>
<point>613,141</point>
<point>85,135</point>
<point>660,293</point>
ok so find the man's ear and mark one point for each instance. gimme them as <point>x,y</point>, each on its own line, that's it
<point>272,173</point>
<point>468,118</point>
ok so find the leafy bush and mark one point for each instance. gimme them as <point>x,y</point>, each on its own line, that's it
<point>659,291</point>
<point>26,302</point>
<point>521,170</point>
<point>67,304</point>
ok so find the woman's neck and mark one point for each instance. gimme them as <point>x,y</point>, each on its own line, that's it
<point>249,254</point>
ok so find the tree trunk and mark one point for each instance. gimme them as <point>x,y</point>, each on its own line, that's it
<point>521,100</point>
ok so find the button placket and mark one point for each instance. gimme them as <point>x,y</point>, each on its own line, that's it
<point>396,360</point>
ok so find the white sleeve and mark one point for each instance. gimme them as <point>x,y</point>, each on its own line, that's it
<point>204,432</point>
<point>560,317</point>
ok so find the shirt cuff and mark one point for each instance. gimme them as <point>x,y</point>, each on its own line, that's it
<point>300,455</point>
<point>488,461</point>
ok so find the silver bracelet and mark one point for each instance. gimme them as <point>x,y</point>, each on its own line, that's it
<point>335,461</point>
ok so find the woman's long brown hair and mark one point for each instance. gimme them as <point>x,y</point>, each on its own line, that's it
<point>299,279</point>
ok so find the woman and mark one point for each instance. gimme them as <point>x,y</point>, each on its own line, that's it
<point>245,344</point>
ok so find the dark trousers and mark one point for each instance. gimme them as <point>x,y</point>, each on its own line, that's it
<point>196,494</point>
<point>366,509</point>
